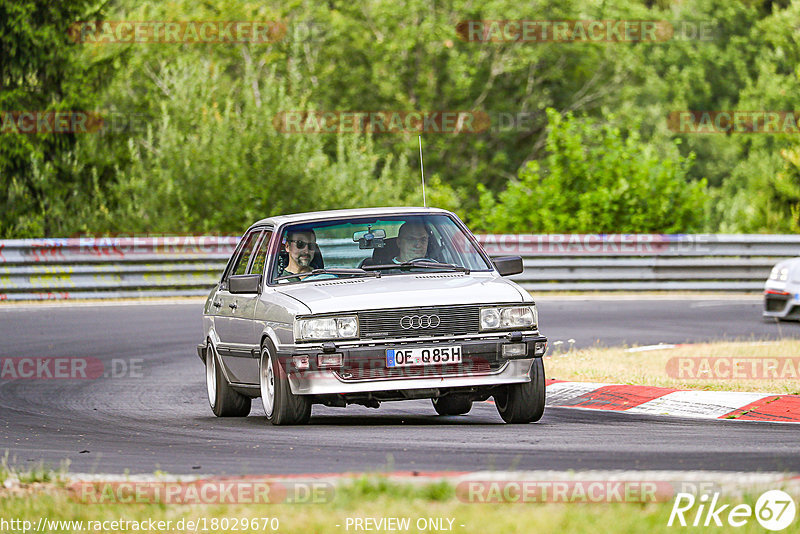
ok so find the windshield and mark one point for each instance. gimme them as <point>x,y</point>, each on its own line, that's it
<point>391,246</point>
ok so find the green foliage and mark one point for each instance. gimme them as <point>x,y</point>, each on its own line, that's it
<point>42,181</point>
<point>596,179</point>
<point>374,487</point>
<point>210,159</point>
<point>753,197</point>
<point>39,472</point>
<point>784,194</point>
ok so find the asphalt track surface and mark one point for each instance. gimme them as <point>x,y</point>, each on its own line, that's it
<point>158,418</point>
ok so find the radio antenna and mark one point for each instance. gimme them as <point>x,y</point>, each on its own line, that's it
<point>422,172</point>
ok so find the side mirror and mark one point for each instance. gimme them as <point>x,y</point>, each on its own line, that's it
<point>244,283</point>
<point>508,265</point>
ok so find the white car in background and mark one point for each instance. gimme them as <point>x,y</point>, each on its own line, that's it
<point>782,291</point>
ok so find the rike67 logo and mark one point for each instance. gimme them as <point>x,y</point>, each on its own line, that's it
<point>774,510</point>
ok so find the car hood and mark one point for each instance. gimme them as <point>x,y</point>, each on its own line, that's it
<point>402,291</point>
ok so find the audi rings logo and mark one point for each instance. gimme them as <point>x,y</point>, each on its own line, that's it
<point>410,322</point>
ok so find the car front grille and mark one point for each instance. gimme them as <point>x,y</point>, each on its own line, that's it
<point>419,322</point>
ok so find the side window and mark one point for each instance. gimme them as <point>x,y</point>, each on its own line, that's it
<point>240,265</point>
<point>260,259</point>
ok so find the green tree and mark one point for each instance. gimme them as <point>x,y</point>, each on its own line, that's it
<point>41,69</point>
<point>596,178</point>
<point>212,160</point>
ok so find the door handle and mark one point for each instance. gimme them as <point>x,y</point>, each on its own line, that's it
<point>217,304</point>
<point>232,305</point>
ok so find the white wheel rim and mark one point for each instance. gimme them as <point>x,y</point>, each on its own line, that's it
<point>267,383</point>
<point>211,375</point>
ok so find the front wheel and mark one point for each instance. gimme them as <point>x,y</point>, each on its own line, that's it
<point>224,400</point>
<point>523,403</point>
<point>281,406</point>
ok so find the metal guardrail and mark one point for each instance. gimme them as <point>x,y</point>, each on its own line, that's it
<point>161,266</point>
<point>645,262</point>
<point>117,267</point>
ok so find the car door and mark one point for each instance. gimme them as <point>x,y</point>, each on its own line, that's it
<point>227,320</point>
<point>216,309</point>
<point>241,359</point>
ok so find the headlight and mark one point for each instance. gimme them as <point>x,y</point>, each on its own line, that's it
<point>508,317</point>
<point>779,273</point>
<point>326,328</point>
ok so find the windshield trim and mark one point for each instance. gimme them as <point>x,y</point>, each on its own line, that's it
<point>454,218</point>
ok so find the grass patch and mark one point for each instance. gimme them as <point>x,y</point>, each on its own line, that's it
<point>670,367</point>
<point>366,497</point>
<point>371,488</point>
<point>38,473</point>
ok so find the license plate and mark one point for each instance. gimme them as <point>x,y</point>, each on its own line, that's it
<point>423,356</point>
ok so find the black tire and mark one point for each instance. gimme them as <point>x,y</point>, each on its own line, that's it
<point>523,403</point>
<point>281,406</point>
<point>223,399</point>
<point>452,405</point>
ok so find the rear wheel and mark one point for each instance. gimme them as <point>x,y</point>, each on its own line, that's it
<point>452,405</point>
<point>281,406</point>
<point>224,400</point>
<point>523,403</point>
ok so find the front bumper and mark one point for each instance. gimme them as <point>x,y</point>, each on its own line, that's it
<point>364,366</point>
<point>780,303</point>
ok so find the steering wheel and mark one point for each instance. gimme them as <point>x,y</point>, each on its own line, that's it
<point>426,259</point>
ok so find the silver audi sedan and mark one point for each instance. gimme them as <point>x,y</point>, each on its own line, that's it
<point>369,305</point>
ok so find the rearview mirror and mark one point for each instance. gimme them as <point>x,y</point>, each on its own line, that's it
<point>370,238</point>
<point>508,265</point>
<point>244,283</point>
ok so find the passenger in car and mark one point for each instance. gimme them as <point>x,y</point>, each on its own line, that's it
<point>300,246</point>
<point>412,240</point>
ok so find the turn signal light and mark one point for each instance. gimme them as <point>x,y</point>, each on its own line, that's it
<point>514,350</point>
<point>300,362</point>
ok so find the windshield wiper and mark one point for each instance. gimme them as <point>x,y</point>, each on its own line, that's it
<point>406,265</point>
<point>332,270</point>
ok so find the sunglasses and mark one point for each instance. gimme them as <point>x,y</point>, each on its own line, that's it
<point>300,244</point>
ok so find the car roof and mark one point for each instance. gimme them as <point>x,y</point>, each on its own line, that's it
<point>359,212</point>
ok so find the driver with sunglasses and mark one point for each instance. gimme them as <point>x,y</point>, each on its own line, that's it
<point>301,246</point>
